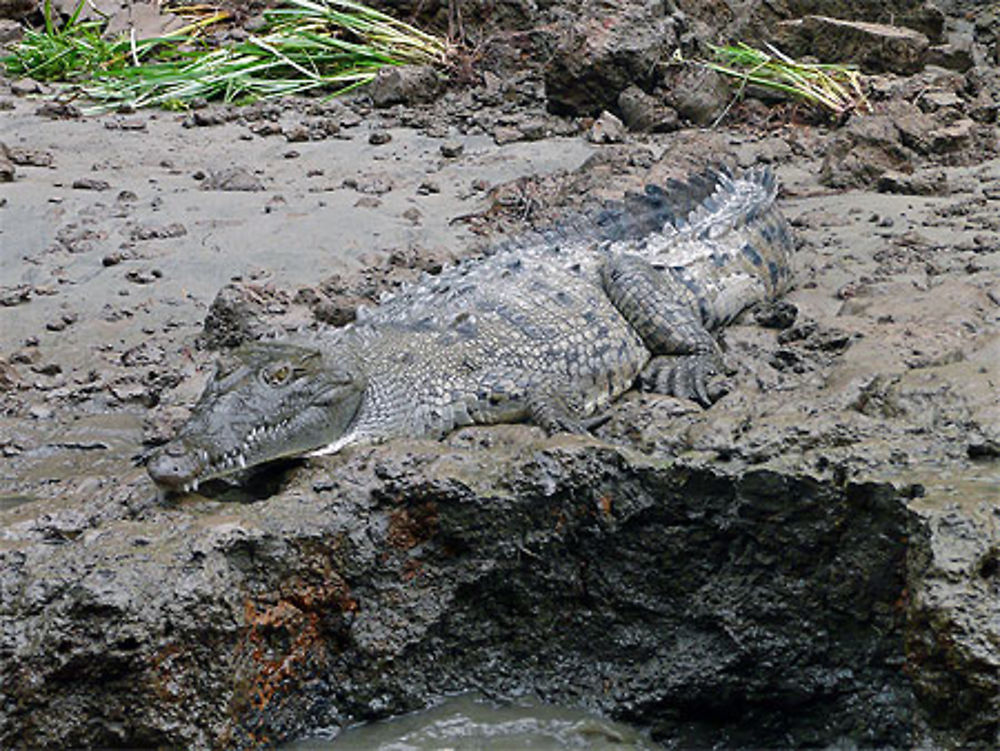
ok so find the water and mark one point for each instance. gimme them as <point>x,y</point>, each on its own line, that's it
<point>472,723</point>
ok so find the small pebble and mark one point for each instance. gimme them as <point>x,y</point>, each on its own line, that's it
<point>90,183</point>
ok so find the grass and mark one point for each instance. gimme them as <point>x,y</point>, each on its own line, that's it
<point>330,45</point>
<point>834,88</point>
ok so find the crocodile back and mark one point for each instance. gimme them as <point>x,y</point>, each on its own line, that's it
<point>472,343</point>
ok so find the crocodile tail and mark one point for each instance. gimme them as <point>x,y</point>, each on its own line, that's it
<point>734,201</point>
<point>708,201</point>
<point>712,200</point>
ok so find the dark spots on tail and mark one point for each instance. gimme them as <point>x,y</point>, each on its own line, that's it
<point>775,272</point>
<point>750,252</point>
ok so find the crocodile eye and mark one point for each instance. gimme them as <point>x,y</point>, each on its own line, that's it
<point>277,376</point>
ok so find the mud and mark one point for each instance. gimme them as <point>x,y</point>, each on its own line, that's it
<point>812,561</point>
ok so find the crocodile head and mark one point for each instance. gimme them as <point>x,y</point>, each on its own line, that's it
<point>267,401</point>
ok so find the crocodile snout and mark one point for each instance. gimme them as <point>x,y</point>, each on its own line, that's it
<point>175,467</point>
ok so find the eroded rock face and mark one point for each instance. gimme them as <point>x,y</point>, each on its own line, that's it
<point>874,47</point>
<point>715,602</point>
<point>649,589</point>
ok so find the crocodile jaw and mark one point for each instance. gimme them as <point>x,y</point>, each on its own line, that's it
<point>275,401</point>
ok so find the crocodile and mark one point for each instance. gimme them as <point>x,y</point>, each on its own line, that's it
<point>549,328</point>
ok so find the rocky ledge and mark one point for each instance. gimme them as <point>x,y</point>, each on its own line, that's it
<point>718,602</point>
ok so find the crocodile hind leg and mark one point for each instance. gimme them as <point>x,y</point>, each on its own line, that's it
<point>663,312</point>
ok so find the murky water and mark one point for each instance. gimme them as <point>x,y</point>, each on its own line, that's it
<point>473,723</point>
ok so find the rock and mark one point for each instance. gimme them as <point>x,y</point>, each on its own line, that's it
<point>597,58</point>
<point>338,312</point>
<point>875,47</point>
<point>757,21</point>
<point>863,150</point>
<point>16,295</point>
<point>236,316</point>
<point>144,19</point>
<point>9,378</point>
<point>17,9</point>
<point>408,84</point>
<point>956,136</point>
<point>11,33</point>
<point>504,134</point>
<point>606,129</point>
<point>296,133</point>
<point>956,54</point>
<point>232,179</point>
<point>934,100</point>
<point>30,157</point>
<point>379,137</point>
<point>427,568</point>
<point>452,149</point>
<point>923,183</point>
<point>644,113</point>
<point>126,123</point>
<point>915,127</point>
<point>534,129</point>
<point>6,165</point>
<point>698,94</point>
<point>775,314</point>
<point>144,276</point>
<point>91,183</point>
<point>157,231</point>
<point>59,111</point>
<point>25,87</point>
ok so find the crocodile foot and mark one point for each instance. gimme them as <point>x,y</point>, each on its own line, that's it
<point>685,376</point>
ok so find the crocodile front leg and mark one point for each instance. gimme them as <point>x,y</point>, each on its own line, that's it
<point>663,312</point>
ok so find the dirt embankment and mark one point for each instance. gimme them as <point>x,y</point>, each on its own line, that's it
<point>813,560</point>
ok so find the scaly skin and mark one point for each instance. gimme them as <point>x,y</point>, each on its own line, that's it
<point>550,329</point>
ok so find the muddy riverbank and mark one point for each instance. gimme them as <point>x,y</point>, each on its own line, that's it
<point>813,560</point>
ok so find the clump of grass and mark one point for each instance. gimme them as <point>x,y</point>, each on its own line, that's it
<point>334,45</point>
<point>835,88</point>
<point>79,49</point>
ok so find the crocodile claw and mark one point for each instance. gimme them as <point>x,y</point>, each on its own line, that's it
<point>684,376</point>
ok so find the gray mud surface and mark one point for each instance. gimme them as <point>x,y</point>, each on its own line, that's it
<point>814,560</point>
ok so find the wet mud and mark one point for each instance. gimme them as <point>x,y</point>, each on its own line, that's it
<point>812,561</point>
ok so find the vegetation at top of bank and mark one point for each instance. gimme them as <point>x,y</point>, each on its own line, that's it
<point>831,87</point>
<point>304,45</point>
